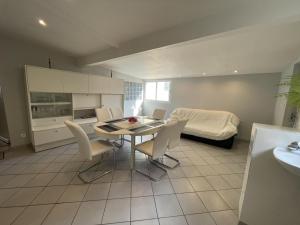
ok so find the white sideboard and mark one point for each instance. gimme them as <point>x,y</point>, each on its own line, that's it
<point>54,95</point>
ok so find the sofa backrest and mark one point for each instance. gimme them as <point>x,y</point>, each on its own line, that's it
<point>206,118</point>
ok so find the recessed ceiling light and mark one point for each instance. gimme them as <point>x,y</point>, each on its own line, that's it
<point>235,71</point>
<point>203,73</point>
<point>42,22</point>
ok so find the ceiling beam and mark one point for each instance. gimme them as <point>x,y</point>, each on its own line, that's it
<point>266,12</point>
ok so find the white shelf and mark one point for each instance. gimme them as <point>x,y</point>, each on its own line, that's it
<point>52,103</point>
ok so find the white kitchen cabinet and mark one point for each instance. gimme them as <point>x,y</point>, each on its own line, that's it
<point>75,82</point>
<point>97,84</point>
<point>52,135</point>
<point>116,86</point>
<point>43,80</point>
<point>105,85</point>
<point>81,101</point>
<point>112,101</point>
<point>56,95</point>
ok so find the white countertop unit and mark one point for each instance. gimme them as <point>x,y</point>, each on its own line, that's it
<point>57,126</point>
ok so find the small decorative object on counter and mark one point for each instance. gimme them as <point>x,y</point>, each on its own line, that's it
<point>132,120</point>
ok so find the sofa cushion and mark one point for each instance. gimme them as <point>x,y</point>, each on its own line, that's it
<point>215,125</point>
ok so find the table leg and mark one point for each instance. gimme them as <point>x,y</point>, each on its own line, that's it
<point>132,157</point>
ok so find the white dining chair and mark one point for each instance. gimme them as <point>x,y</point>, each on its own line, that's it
<point>156,148</point>
<point>174,141</point>
<point>117,113</point>
<point>159,114</point>
<point>89,150</point>
<point>103,114</point>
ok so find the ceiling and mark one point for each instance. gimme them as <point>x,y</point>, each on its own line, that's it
<point>152,39</point>
<point>82,27</point>
<point>263,49</point>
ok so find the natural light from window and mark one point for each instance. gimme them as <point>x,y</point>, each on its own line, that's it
<point>159,91</point>
<point>150,90</point>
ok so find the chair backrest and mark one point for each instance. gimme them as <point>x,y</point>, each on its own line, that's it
<point>82,139</point>
<point>159,114</point>
<point>176,132</point>
<point>116,113</point>
<point>161,141</point>
<point>103,114</point>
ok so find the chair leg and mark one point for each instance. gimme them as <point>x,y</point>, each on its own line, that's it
<point>177,163</point>
<point>150,177</point>
<point>97,176</point>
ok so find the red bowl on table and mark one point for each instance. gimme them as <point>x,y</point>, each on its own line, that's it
<point>132,119</point>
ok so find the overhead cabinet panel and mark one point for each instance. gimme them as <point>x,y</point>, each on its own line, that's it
<point>105,85</point>
<point>43,79</point>
<point>116,86</point>
<point>98,84</point>
<point>75,82</point>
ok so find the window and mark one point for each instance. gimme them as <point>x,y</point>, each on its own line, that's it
<point>159,91</point>
<point>151,90</point>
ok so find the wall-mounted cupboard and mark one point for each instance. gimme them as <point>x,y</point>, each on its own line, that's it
<point>51,80</point>
<point>55,96</point>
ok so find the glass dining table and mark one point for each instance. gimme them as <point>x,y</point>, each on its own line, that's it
<point>113,129</point>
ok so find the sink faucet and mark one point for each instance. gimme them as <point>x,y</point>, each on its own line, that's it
<point>295,145</point>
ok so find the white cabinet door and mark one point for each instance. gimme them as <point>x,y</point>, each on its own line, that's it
<point>43,79</point>
<point>52,135</point>
<point>116,86</point>
<point>105,85</point>
<point>75,82</point>
<point>112,101</point>
<point>86,101</point>
<point>98,84</point>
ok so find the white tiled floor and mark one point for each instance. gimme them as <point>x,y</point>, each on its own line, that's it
<point>43,188</point>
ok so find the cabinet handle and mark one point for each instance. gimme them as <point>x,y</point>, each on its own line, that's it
<point>56,131</point>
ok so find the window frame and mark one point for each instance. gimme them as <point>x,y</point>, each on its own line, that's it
<point>156,82</point>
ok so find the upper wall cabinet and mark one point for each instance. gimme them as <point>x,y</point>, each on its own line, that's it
<point>75,82</point>
<point>105,85</point>
<point>97,84</point>
<point>52,80</point>
<point>43,80</point>
<point>116,86</point>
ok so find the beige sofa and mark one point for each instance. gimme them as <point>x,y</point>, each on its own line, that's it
<point>209,126</point>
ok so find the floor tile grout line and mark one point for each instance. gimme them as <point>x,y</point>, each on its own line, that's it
<point>80,204</point>
<point>156,210</point>
<point>213,190</point>
<point>18,215</point>
<point>106,200</point>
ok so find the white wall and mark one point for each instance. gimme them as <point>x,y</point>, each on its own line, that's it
<point>281,101</point>
<point>250,97</point>
<point>283,111</point>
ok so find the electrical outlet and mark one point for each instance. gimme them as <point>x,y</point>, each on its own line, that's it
<point>23,135</point>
